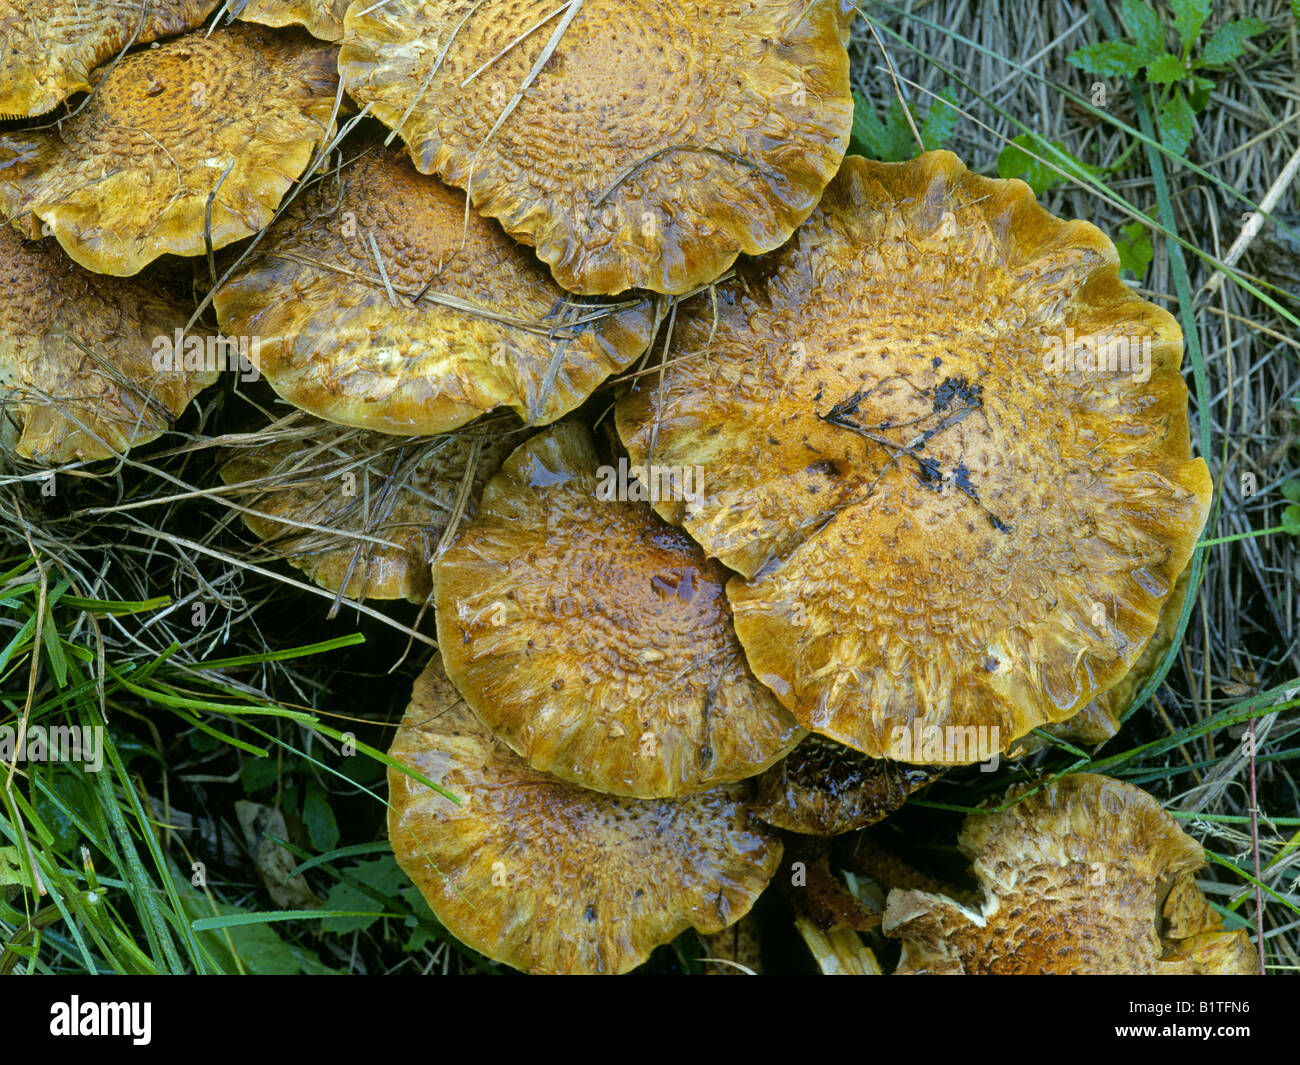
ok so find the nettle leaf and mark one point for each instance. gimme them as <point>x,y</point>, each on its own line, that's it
<point>382,874</point>
<point>1177,123</point>
<point>1229,42</point>
<point>1199,93</point>
<point>1189,17</point>
<point>1144,25</point>
<point>941,120</point>
<point>1016,161</point>
<point>1135,251</point>
<point>1166,70</point>
<point>1110,59</point>
<point>890,141</point>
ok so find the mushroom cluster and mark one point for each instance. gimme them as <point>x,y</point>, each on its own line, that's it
<point>750,483</point>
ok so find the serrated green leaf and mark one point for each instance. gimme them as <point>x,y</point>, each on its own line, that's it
<point>890,141</point>
<point>1135,251</point>
<point>1229,41</point>
<point>382,874</point>
<point>940,120</point>
<point>1109,59</point>
<point>1177,123</point>
<point>1016,161</point>
<point>1144,25</point>
<point>1166,70</point>
<point>1189,17</point>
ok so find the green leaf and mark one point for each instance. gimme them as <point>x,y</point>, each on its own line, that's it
<point>1199,93</point>
<point>1143,25</point>
<point>382,874</point>
<point>890,141</point>
<point>1291,519</point>
<point>1015,161</point>
<point>1135,252</point>
<point>1229,41</point>
<point>1166,70</point>
<point>322,828</point>
<point>1291,491</point>
<point>940,120</point>
<point>1189,17</point>
<point>1110,59</point>
<point>1177,123</point>
<point>257,947</point>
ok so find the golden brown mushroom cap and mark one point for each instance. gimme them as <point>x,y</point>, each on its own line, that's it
<point>941,530</point>
<point>379,504</point>
<point>77,357</point>
<point>493,329</point>
<point>596,640</point>
<point>823,788</point>
<point>657,142</point>
<point>322,18</point>
<point>1089,875</point>
<point>128,177</point>
<point>552,878</point>
<point>49,47</point>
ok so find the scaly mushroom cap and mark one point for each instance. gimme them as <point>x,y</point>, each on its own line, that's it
<point>823,788</point>
<point>1100,719</point>
<point>596,640</point>
<point>1089,875</point>
<point>322,18</point>
<point>332,293</point>
<point>552,878</point>
<point>656,143</point>
<point>49,47</point>
<point>379,504</point>
<point>235,117</point>
<point>78,379</point>
<point>942,531</point>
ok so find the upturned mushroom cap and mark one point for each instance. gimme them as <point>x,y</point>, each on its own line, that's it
<point>596,640</point>
<point>939,525</point>
<point>332,292</point>
<point>1089,875</point>
<point>49,47</point>
<point>823,788</point>
<point>321,18</point>
<point>656,142</point>
<point>77,357</point>
<point>234,117</point>
<point>364,511</point>
<point>552,878</point>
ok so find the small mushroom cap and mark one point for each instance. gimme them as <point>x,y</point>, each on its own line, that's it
<point>943,527</point>
<point>492,330</point>
<point>49,47</point>
<point>322,18</point>
<point>552,878</point>
<point>78,379</point>
<point>357,488</point>
<point>656,143</point>
<point>234,117</point>
<point>823,788</point>
<point>595,639</point>
<point>1089,875</point>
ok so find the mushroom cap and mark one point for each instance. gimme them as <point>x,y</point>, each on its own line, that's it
<point>552,878</point>
<point>493,330</point>
<point>78,379</point>
<point>1089,875</point>
<point>823,788</point>
<point>321,18</point>
<point>1100,719</point>
<point>129,176</point>
<point>938,531</point>
<point>49,47</point>
<point>357,488</point>
<point>596,640</point>
<point>657,142</point>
